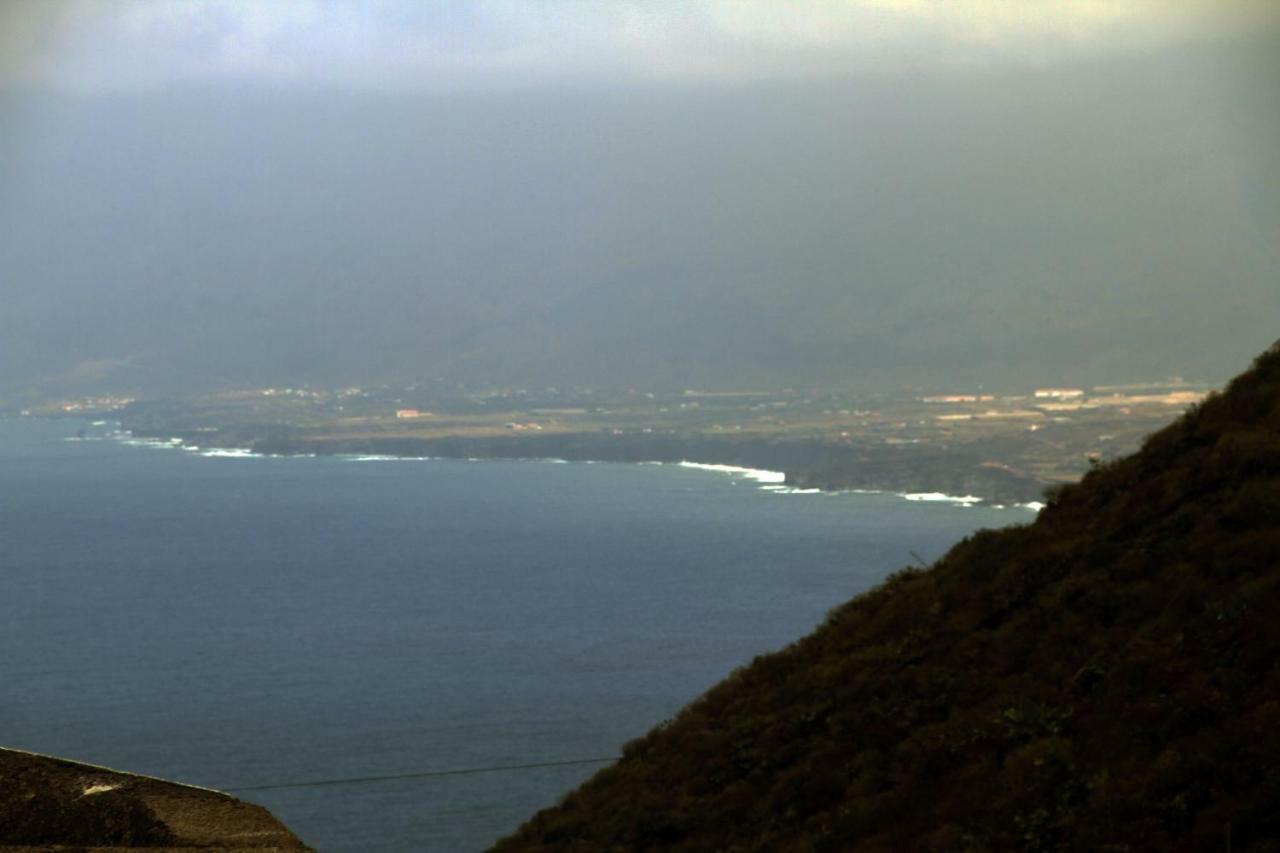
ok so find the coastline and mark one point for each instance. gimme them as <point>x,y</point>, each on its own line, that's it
<point>783,466</point>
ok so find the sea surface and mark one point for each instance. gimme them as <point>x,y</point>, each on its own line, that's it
<point>237,622</point>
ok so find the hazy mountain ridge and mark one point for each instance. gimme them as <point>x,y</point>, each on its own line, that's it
<point>1102,679</point>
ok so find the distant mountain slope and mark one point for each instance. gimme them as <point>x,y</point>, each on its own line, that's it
<point>1103,679</point>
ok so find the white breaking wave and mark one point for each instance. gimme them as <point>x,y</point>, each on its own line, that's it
<point>1034,506</point>
<point>231,453</point>
<point>163,444</point>
<point>127,438</point>
<point>963,500</point>
<point>757,474</point>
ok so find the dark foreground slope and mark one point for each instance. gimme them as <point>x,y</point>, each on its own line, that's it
<point>51,804</point>
<point>1103,679</point>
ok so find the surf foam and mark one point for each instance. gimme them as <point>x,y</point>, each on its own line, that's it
<point>758,474</point>
<point>230,453</point>
<point>939,497</point>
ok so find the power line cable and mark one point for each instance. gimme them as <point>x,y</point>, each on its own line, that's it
<point>465,771</point>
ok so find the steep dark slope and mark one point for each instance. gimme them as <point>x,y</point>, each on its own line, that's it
<point>1103,679</point>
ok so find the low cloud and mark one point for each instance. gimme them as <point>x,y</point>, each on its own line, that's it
<point>112,45</point>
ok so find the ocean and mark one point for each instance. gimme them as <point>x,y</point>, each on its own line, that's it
<point>248,623</point>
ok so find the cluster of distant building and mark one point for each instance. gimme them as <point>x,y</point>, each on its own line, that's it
<point>1058,401</point>
<point>1172,392</point>
<point>958,398</point>
<point>1039,394</point>
<point>95,404</point>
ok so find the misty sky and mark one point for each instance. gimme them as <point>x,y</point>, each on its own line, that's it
<point>853,194</point>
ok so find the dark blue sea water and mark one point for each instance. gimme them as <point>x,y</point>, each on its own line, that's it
<point>237,622</point>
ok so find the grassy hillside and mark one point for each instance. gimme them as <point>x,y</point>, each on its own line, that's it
<point>1103,679</point>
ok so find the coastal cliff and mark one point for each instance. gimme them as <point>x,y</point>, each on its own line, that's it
<point>1102,679</point>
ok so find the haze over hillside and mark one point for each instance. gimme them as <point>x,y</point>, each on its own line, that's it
<point>1105,211</point>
